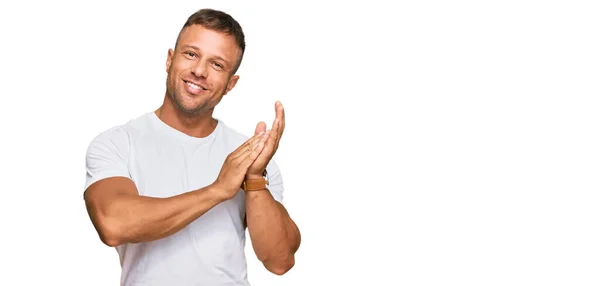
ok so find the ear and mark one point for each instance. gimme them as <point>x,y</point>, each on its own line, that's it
<point>169,59</point>
<point>231,84</point>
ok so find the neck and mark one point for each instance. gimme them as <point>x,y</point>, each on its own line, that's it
<point>195,125</point>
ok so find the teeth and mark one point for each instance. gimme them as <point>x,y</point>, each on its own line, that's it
<point>194,86</point>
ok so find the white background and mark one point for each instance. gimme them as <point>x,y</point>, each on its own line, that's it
<point>430,143</point>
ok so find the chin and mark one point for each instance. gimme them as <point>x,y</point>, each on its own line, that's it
<point>193,107</point>
<point>189,103</point>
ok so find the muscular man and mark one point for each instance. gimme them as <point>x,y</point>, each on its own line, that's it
<point>173,190</point>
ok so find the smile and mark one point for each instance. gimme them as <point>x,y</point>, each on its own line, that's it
<point>194,88</point>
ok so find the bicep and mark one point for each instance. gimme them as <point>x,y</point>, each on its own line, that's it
<point>110,187</point>
<point>100,195</point>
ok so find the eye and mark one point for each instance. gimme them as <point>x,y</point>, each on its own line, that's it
<point>218,65</point>
<point>190,54</point>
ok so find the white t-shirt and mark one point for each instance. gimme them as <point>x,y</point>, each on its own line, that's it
<point>164,162</point>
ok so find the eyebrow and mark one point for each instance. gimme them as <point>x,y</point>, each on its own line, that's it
<point>198,49</point>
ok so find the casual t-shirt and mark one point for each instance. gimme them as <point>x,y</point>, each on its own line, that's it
<point>164,162</point>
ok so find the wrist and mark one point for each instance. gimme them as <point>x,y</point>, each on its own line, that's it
<point>258,184</point>
<point>216,192</point>
<point>256,176</point>
<point>253,177</point>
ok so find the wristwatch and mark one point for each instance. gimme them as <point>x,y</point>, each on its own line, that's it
<point>250,185</point>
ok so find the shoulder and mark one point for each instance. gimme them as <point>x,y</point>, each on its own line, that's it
<point>123,132</point>
<point>116,139</point>
<point>108,154</point>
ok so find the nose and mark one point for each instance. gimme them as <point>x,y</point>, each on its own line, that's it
<point>200,69</point>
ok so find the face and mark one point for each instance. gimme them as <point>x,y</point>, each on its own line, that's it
<point>200,70</point>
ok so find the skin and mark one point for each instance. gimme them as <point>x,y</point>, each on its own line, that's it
<point>120,215</point>
<point>275,237</point>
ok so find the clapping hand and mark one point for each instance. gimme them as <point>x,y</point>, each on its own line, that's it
<point>236,165</point>
<point>272,142</point>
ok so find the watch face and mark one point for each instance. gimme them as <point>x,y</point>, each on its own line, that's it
<point>264,174</point>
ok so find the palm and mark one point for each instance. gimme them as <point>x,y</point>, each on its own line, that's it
<point>272,142</point>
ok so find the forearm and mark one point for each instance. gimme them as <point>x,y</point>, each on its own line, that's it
<point>132,219</point>
<point>275,237</point>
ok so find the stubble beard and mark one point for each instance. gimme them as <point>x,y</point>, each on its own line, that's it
<point>175,96</point>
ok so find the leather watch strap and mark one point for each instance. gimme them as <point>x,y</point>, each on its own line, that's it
<point>255,184</point>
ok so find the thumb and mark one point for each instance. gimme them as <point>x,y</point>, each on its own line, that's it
<point>261,126</point>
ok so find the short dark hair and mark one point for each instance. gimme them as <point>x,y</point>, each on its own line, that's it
<point>221,22</point>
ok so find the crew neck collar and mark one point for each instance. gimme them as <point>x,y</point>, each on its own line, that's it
<point>183,136</point>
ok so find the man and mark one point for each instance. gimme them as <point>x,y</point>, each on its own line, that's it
<point>174,189</point>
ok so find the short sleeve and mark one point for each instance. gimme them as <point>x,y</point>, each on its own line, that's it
<point>275,181</point>
<point>107,156</point>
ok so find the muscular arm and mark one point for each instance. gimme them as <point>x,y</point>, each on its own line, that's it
<point>275,237</point>
<point>120,215</point>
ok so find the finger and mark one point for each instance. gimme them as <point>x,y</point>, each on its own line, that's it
<point>257,143</point>
<point>261,126</point>
<point>266,136</point>
<point>277,119</point>
<point>248,159</point>
<point>247,145</point>
<point>242,154</point>
<point>272,139</point>
<point>257,151</point>
<point>282,119</point>
<point>252,140</point>
<point>277,123</point>
<point>249,156</point>
<point>278,109</point>
<point>267,141</point>
<point>281,125</point>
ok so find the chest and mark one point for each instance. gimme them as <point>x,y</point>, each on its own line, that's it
<point>163,169</point>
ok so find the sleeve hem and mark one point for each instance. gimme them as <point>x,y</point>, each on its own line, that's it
<point>104,175</point>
